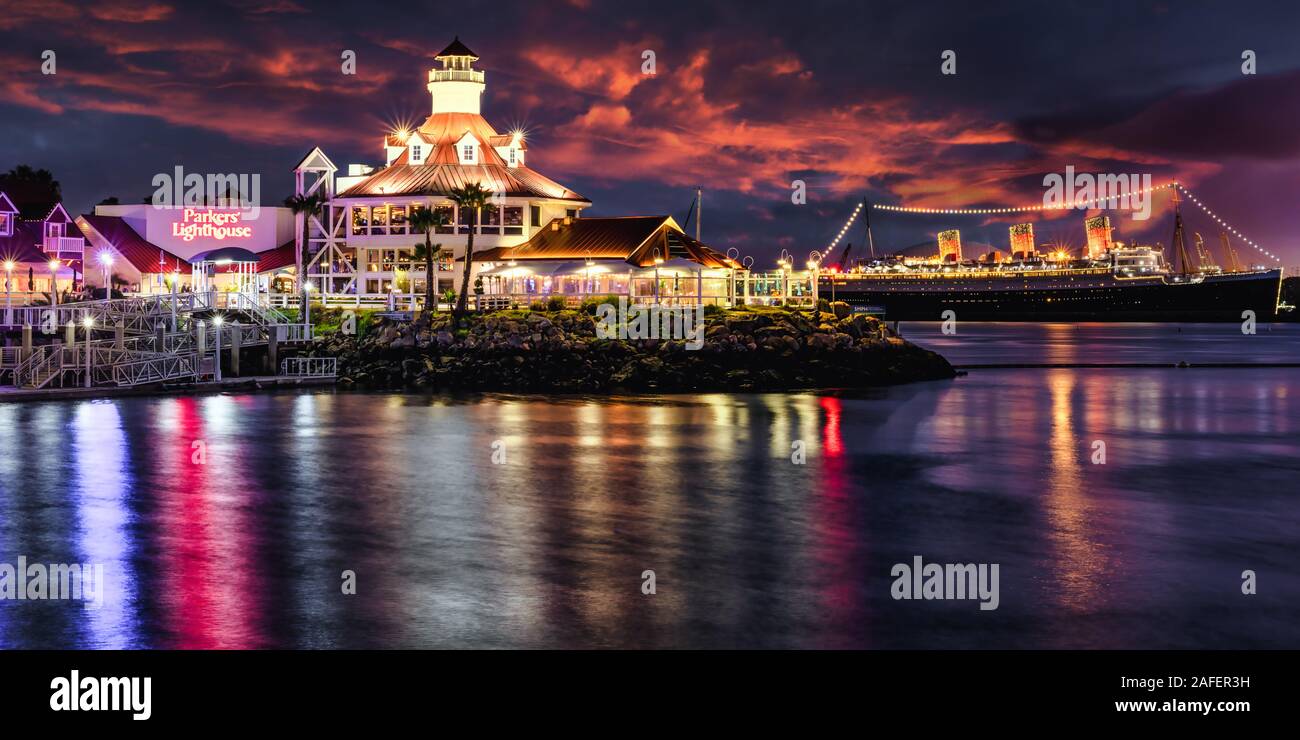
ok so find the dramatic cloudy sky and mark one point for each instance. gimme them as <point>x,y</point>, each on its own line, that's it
<point>748,96</point>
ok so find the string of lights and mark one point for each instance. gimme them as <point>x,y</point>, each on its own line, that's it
<point>1090,203</point>
<point>843,230</point>
<point>1228,227</point>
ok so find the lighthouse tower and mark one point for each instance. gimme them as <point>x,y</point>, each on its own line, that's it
<point>457,87</point>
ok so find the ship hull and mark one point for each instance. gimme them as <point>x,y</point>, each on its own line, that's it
<point>1102,297</point>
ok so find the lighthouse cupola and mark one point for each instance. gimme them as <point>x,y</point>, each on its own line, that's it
<point>457,87</point>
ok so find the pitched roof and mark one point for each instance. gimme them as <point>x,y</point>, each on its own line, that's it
<point>456,49</point>
<point>274,259</point>
<point>24,244</point>
<point>440,179</point>
<point>445,130</point>
<point>142,255</point>
<point>633,239</point>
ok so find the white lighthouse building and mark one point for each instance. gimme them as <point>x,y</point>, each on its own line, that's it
<point>528,243</point>
<point>361,244</point>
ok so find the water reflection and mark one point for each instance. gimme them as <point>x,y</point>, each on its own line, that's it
<point>506,521</point>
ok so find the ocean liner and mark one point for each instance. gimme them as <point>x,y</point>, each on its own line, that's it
<point>1110,282</point>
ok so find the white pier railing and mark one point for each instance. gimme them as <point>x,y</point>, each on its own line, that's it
<point>309,367</point>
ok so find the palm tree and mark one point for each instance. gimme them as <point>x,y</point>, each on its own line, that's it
<point>474,198</point>
<point>308,206</point>
<point>426,221</point>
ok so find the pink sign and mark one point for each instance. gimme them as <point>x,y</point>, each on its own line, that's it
<point>210,223</point>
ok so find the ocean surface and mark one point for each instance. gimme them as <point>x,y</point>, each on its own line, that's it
<point>769,521</point>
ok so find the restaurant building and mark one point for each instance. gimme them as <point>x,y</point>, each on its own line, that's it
<point>530,242</point>
<point>142,248</point>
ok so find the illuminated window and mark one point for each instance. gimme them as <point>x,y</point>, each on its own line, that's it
<point>491,220</point>
<point>514,220</point>
<point>6,226</point>
<point>360,219</point>
<point>448,214</point>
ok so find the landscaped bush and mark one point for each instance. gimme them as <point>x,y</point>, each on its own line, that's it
<point>556,303</point>
<point>590,304</point>
<point>537,306</point>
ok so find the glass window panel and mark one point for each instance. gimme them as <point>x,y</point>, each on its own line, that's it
<point>449,215</point>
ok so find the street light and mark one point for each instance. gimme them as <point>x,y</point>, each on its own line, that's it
<point>106,259</point>
<point>9,301</point>
<point>217,321</point>
<point>54,283</point>
<point>89,322</point>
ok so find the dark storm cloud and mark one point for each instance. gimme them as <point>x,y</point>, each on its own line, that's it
<point>1252,117</point>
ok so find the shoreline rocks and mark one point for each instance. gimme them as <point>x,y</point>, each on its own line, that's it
<point>747,349</point>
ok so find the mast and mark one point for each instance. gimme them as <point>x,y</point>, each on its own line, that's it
<point>866,216</point>
<point>1180,239</point>
<point>699,207</point>
<point>1234,265</point>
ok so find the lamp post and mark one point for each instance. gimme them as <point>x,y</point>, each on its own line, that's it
<point>89,323</point>
<point>54,283</point>
<point>106,261</point>
<point>176,276</point>
<point>9,299</point>
<point>785,262</point>
<point>814,262</point>
<point>216,367</point>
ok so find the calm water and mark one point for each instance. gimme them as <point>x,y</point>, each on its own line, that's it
<point>748,549</point>
<point>984,343</point>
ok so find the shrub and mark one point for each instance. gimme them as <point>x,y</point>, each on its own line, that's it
<point>537,306</point>
<point>590,304</point>
<point>823,305</point>
<point>556,303</point>
<point>713,309</point>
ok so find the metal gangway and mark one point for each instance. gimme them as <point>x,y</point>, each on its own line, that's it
<point>167,337</point>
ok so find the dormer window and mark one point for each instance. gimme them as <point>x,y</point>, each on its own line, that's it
<point>54,230</point>
<point>6,225</point>
<point>417,153</point>
<point>467,154</point>
<point>513,159</point>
